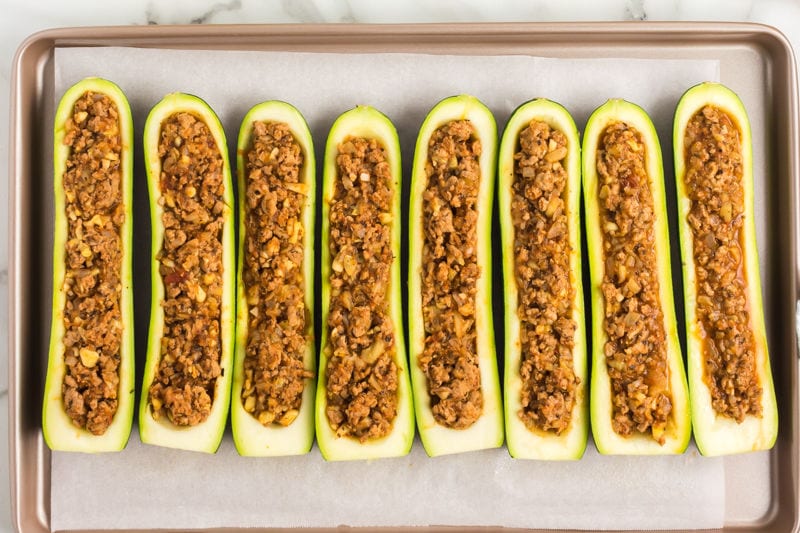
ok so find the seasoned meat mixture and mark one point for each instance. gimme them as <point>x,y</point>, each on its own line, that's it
<point>95,214</point>
<point>361,376</point>
<point>192,189</point>
<point>714,185</point>
<point>273,276</point>
<point>636,347</point>
<point>450,274</point>
<point>546,292</point>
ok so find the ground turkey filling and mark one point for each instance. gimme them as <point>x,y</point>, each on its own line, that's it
<point>714,186</point>
<point>636,347</point>
<point>450,274</point>
<point>92,286</point>
<point>274,373</point>
<point>192,189</point>
<point>361,375</point>
<point>542,256</point>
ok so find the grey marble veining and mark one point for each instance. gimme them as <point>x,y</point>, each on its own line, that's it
<point>634,10</point>
<point>196,13</point>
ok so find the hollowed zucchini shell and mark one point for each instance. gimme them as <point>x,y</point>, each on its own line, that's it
<point>59,431</point>
<point>523,442</point>
<point>487,431</point>
<point>714,434</point>
<point>367,122</point>
<point>678,428</point>
<point>249,435</point>
<point>206,436</point>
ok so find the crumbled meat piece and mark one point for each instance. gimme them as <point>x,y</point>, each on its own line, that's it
<point>273,276</point>
<point>635,351</point>
<point>714,185</point>
<point>92,286</point>
<point>542,257</point>
<point>191,269</point>
<point>450,274</point>
<point>362,375</point>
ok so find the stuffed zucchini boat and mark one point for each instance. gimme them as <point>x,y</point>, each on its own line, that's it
<point>452,351</point>
<point>88,399</point>
<point>187,375</point>
<point>364,407</point>
<point>539,188</point>
<point>732,394</point>
<point>639,398</point>
<point>272,399</point>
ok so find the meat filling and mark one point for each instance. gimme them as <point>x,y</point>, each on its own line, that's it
<point>92,286</point>
<point>542,256</point>
<point>636,347</point>
<point>273,275</point>
<point>716,217</point>
<point>362,375</point>
<point>450,274</point>
<point>192,189</point>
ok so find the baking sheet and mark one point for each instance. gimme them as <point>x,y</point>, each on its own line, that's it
<point>150,487</point>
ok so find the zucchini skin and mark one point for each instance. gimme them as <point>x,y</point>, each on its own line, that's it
<point>487,431</point>
<point>364,121</point>
<point>204,437</point>
<point>713,434</point>
<point>521,441</point>
<point>251,437</point>
<point>678,429</point>
<point>59,431</point>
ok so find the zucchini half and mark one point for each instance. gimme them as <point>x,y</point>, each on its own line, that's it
<point>206,436</point>
<point>522,441</point>
<point>367,122</point>
<point>250,436</point>
<point>678,429</point>
<point>487,430</point>
<point>59,431</point>
<point>716,434</point>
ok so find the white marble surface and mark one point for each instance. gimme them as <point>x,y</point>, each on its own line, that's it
<point>20,18</point>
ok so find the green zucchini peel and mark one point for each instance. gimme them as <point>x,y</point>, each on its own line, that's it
<point>206,436</point>
<point>367,122</point>
<point>716,434</point>
<point>678,428</point>
<point>522,441</point>
<point>487,430</point>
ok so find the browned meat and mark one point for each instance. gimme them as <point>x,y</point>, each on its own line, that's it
<point>273,276</point>
<point>546,292</point>
<point>92,282</point>
<point>361,376</point>
<point>192,189</point>
<point>450,274</point>
<point>714,185</point>
<point>636,347</point>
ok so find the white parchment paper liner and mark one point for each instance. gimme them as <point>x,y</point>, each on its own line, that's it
<point>149,487</point>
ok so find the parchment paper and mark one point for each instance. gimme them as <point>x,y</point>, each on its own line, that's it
<point>146,487</point>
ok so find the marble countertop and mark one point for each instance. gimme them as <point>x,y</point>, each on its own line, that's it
<point>21,18</point>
